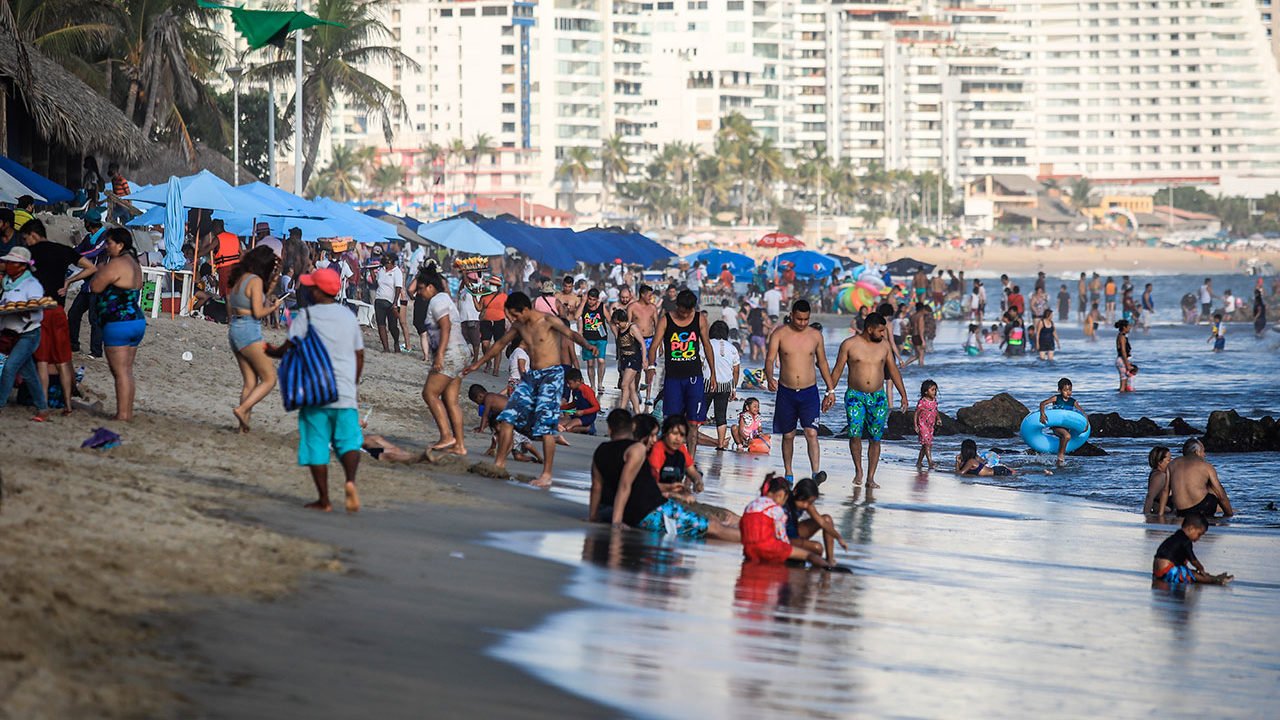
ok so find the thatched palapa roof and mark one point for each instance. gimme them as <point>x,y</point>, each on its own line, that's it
<point>68,112</point>
<point>173,161</point>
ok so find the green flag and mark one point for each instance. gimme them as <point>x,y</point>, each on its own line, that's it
<point>268,27</point>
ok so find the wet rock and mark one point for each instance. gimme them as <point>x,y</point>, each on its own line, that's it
<point>999,417</point>
<point>1229,432</point>
<point>1182,427</point>
<point>1088,450</point>
<point>900,426</point>
<point>1111,425</point>
<point>825,431</point>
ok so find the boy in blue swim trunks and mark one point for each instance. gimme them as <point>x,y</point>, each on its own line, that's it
<point>870,361</point>
<point>534,405</point>
<point>1175,554</point>
<point>682,337</point>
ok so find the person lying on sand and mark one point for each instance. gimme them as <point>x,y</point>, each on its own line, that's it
<point>1175,554</point>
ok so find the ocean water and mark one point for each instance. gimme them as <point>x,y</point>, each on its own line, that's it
<point>1180,377</point>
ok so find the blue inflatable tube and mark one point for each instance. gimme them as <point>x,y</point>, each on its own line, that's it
<point>1039,436</point>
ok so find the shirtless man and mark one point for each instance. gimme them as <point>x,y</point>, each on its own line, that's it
<point>918,326</point>
<point>568,304</point>
<point>799,348</point>
<point>1194,485</point>
<point>920,284</point>
<point>535,404</point>
<point>870,359</point>
<point>938,289</point>
<point>644,315</point>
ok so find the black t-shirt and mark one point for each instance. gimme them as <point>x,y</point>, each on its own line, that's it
<point>51,262</point>
<point>645,497</point>
<point>755,319</point>
<point>682,348</point>
<point>592,325</point>
<point>609,459</point>
<point>1176,549</point>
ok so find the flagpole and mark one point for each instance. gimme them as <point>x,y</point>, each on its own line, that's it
<point>297,109</point>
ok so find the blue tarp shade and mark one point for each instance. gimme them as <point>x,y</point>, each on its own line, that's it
<point>371,230</point>
<point>598,245</point>
<point>52,191</point>
<point>461,235</point>
<point>532,242</point>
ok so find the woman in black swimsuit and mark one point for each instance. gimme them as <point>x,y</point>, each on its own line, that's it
<point>1046,336</point>
<point>1124,363</point>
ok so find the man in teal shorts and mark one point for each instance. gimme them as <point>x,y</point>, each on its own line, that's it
<point>870,361</point>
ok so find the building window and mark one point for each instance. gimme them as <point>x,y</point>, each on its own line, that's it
<point>467,12</point>
<point>508,107</point>
<point>448,12</point>
<point>494,10</point>
<point>508,127</point>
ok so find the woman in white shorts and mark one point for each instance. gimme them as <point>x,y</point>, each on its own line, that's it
<point>449,355</point>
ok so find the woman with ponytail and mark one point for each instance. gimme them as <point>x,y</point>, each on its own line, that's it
<point>116,287</point>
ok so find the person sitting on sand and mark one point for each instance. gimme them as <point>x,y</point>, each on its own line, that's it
<point>764,527</point>
<point>643,502</point>
<point>535,404</point>
<point>489,405</point>
<point>750,425</point>
<point>1175,554</point>
<point>1194,484</point>
<point>1061,401</point>
<point>609,458</point>
<point>968,462</point>
<point>673,465</point>
<point>1157,482</point>
<point>581,408</point>
<point>336,425</point>
<point>803,500</point>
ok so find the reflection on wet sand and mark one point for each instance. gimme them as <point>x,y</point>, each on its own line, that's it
<point>966,601</point>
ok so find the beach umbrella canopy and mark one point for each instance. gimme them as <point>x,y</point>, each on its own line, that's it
<point>175,225</point>
<point>365,229</point>
<point>11,189</point>
<point>738,263</point>
<point>461,235</point>
<point>779,241</point>
<point>48,190</point>
<point>807,263</point>
<point>204,191</point>
<point>908,266</point>
<point>538,244</point>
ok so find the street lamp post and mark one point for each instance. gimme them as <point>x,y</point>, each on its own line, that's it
<point>297,110</point>
<point>235,72</point>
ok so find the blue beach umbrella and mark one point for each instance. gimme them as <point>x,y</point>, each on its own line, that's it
<point>738,263</point>
<point>174,226</point>
<point>807,263</point>
<point>461,235</point>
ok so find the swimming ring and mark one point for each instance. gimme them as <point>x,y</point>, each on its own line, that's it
<point>1038,437</point>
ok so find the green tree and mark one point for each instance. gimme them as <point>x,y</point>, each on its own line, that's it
<point>74,33</point>
<point>1081,192</point>
<point>334,62</point>
<point>613,166</point>
<point>215,129</point>
<point>483,145</point>
<point>387,180</point>
<point>341,178</point>
<point>576,168</point>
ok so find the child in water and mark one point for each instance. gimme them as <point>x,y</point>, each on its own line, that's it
<point>1175,553</point>
<point>1218,333</point>
<point>925,419</point>
<point>1061,401</point>
<point>764,527</point>
<point>804,498</point>
<point>969,463</point>
<point>1157,482</point>
<point>973,345</point>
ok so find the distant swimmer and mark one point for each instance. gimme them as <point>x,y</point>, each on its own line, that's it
<point>1175,554</point>
<point>1194,484</point>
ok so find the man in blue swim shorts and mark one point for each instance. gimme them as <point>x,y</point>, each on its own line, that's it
<point>799,349</point>
<point>870,361</point>
<point>534,406</point>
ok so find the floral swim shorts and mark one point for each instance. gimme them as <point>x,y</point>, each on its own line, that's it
<point>534,406</point>
<point>867,413</point>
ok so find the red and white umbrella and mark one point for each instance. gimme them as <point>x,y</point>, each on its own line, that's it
<point>779,241</point>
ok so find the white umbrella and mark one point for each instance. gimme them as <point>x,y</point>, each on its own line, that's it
<point>11,189</point>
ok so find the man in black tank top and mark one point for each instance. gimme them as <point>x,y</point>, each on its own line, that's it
<point>606,466</point>
<point>682,339</point>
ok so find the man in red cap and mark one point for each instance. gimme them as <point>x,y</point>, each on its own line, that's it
<point>336,425</point>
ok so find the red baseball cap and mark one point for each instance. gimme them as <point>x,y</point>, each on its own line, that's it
<point>325,280</point>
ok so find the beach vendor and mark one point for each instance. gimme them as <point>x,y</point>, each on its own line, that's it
<point>1176,561</point>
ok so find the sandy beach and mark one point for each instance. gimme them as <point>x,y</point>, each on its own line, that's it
<point>178,576</point>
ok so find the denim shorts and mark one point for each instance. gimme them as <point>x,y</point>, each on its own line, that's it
<point>243,331</point>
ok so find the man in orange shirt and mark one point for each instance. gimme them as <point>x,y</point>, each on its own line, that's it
<point>493,323</point>
<point>225,248</point>
<point>726,277</point>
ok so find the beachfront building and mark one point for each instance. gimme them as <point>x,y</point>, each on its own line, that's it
<point>1151,93</point>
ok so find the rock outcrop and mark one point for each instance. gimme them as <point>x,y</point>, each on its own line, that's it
<point>1111,425</point>
<point>999,417</point>
<point>1229,432</point>
<point>1182,427</point>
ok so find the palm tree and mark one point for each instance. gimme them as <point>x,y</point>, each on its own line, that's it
<point>483,145</point>
<point>334,58</point>
<point>74,33</point>
<point>613,165</point>
<point>340,179</point>
<point>457,154</point>
<point>432,154</point>
<point>1081,189</point>
<point>576,168</point>
<point>386,180</point>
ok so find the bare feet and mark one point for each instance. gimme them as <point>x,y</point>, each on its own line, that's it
<point>321,505</point>
<point>243,418</point>
<point>66,411</point>
<point>872,484</point>
<point>443,445</point>
<point>561,441</point>
<point>353,498</point>
<point>857,480</point>
<point>458,449</point>
<point>543,480</point>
